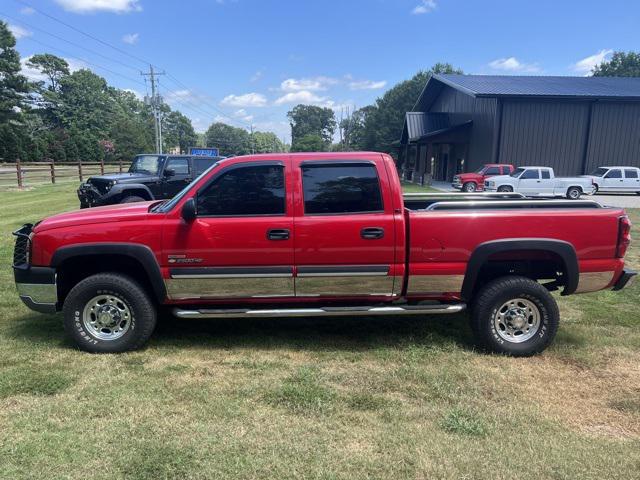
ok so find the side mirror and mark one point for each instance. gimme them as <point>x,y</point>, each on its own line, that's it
<point>188,212</point>
<point>169,172</point>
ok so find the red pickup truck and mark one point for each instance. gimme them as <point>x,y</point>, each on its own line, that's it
<point>319,234</point>
<point>474,181</point>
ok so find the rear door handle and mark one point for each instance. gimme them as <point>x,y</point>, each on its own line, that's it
<point>278,234</point>
<point>372,233</point>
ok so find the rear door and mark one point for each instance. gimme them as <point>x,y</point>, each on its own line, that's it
<point>344,229</point>
<point>631,180</point>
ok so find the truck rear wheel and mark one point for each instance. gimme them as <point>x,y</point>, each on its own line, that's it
<point>574,193</point>
<point>109,313</point>
<point>515,316</point>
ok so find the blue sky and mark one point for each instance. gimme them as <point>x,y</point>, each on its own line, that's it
<point>249,61</point>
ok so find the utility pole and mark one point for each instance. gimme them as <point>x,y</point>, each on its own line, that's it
<point>155,102</point>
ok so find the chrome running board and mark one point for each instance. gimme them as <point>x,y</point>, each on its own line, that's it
<point>321,311</point>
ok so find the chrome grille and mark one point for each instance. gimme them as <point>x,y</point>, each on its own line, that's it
<point>21,251</point>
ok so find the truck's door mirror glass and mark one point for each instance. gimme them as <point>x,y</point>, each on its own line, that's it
<point>189,210</point>
<point>341,188</point>
<point>243,191</point>
<point>169,172</point>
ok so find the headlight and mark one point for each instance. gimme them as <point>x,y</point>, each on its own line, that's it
<point>111,184</point>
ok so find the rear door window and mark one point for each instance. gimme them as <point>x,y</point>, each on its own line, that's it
<point>336,188</point>
<point>630,173</point>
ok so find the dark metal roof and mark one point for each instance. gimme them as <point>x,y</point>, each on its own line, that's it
<point>418,125</point>
<point>614,88</point>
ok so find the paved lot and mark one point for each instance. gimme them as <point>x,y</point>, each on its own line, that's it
<point>624,200</point>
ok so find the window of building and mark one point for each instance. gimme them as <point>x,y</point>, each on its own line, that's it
<point>333,188</point>
<point>243,191</point>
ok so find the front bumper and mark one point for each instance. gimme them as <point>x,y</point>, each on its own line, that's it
<point>457,185</point>
<point>37,287</point>
<point>626,278</point>
<point>89,196</point>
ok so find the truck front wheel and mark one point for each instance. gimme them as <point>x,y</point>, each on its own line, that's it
<point>470,187</point>
<point>505,189</point>
<point>109,313</point>
<point>515,316</point>
<point>132,199</point>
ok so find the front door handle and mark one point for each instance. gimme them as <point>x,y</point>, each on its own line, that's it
<point>278,234</point>
<point>372,233</point>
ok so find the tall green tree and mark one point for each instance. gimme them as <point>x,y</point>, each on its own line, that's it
<point>267,142</point>
<point>53,67</point>
<point>311,120</point>
<point>178,131</point>
<point>621,64</point>
<point>13,91</point>
<point>229,140</point>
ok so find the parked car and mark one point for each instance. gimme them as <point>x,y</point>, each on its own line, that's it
<point>314,234</point>
<point>474,181</point>
<point>150,177</point>
<point>540,182</point>
<point>616,179</point>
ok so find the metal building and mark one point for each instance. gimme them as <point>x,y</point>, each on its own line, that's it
<point>573,124</point>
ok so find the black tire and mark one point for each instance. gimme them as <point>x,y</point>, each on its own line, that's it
<point>574,193</point>
<point>505,188</point>
<point>132,199</point>
<point>470,187</point>
<point>141,313</point>
<point>497,294</point>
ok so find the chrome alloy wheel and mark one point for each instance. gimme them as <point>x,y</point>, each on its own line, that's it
<point>106,317</point>
<point>517,320</point>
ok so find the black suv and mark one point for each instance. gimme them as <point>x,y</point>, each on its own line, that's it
<point>150,177</point>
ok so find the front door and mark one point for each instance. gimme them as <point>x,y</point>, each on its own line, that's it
<point>344,229</point>
<point>529,182</point>
<point>176,176</point>
<point>613,180</point>
<point>241,243</point>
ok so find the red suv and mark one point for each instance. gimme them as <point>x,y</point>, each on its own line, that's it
<point>474,181</point>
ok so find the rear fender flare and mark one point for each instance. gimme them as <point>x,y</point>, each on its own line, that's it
<point>483,251</point>
<point>139,253</point>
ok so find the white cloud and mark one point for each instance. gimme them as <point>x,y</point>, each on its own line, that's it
<point>367,84</point>
<point>425,6</point>
<point>27,11</point>
<point>309,84</point>
<point>587,64</point>
<point>243,115</point>
<point>512,64</point>
<point>131,38</point>
<point>256,76</point>
<point>303,96</point>
<point>19,32</point>
<point>113,6</point>
<point>247,100</point>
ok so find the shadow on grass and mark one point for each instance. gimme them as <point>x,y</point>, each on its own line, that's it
<point>313,334</point>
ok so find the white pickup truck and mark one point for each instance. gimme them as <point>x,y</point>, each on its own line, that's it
<point>540,182</point>
<point>616,179</point>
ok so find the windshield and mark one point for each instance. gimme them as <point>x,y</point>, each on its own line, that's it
<point>599,172</point>
<point>149,164</point>
<point>167,206</point>
<point>516,173</point>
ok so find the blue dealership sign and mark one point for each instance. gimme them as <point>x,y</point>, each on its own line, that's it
<point>204,152</point>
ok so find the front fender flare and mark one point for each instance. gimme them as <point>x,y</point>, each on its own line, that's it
<point>119,189</point>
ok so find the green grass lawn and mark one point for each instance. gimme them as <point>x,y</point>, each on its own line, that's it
<point>415,188</point>
<point>327,399</point>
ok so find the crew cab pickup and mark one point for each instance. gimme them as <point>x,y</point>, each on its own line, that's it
<point>540,182</point>
<point>474,181</point>
<point>150,177</point>
<point>616,179</point>
<point>314,234</point>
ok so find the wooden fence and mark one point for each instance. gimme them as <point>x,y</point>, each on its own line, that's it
<point>21,174</point>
